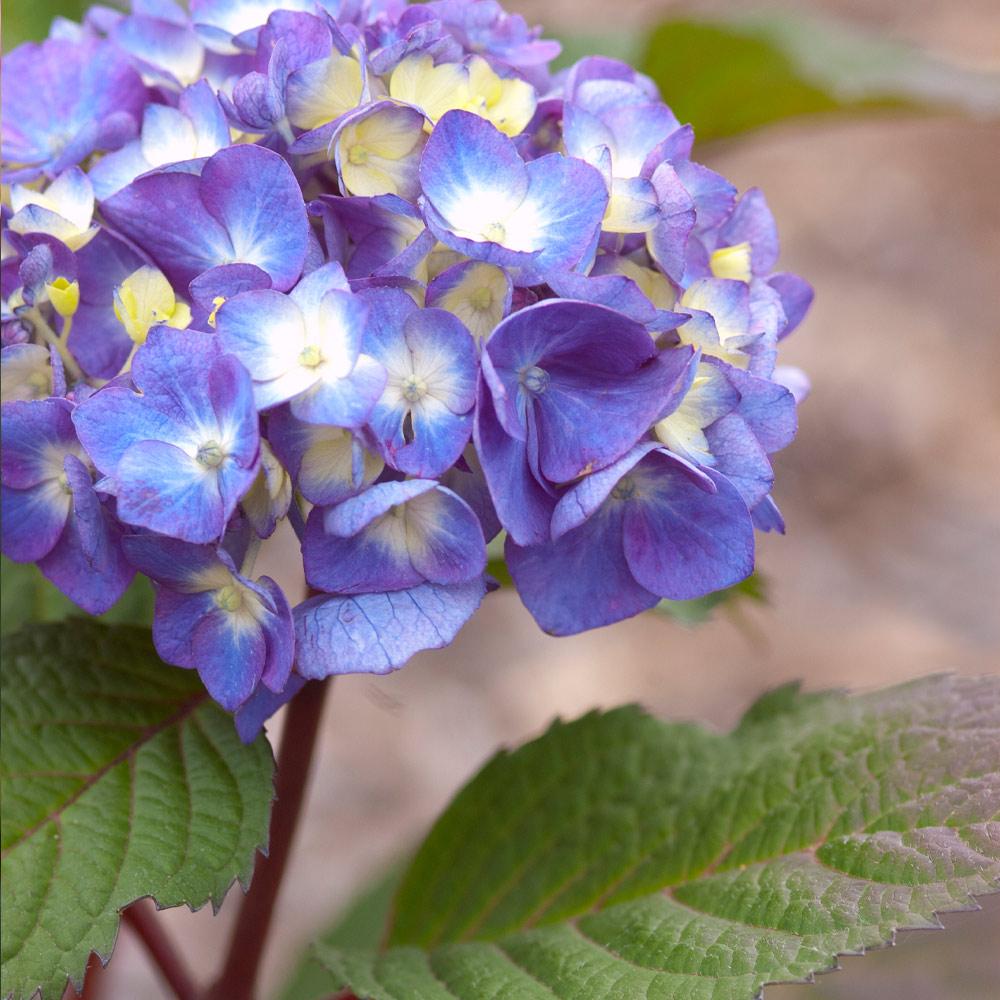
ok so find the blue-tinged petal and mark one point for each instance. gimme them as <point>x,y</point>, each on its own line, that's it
<point>767,407</point>
<point>262,704</point>
<point>175,620</point>
<point>87,564</point>
<point>279,635</point>
<point>522,504</point>
<point>472,175</point>
<point>560,229</point>
<point>373,560</point>
<point>378,633</point>
<point>357,513</point>
<point>117,170</point>
<point>796,298</point>
<point>767,517</point>
<point>466,480</point>
<point>753,223</point>
<point>163,214</point>
<point>231,654</point>
<point>581,581</point>
<point>444,538</point>
<point>253,193</point>
<point>713,196</point>
<point>667,241</point>
<point>230,392</point>
<point>166,52</point>
<point>310,292</point>
<point>794,380</point>
<point>217,285</point>
<point>585,135</point>
<point>33,520</point>
<point>633,207</point>
<point>201,106</point>
<point>741,458</point>
<point>265,330</point>
<point>113,419</point>
<point>26,372</point>
<point>342,401</point>
<point>36,436</point>
<point>584,499</point>
<point>680,540</point>
<point>176,564</point>
<point>616,291</point>
<point>168,491</point>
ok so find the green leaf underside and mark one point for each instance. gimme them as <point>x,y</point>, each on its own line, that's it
<point>120,779</point>
<point>621,857</point>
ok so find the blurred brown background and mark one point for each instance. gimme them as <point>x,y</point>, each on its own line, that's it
<point>891,565</point>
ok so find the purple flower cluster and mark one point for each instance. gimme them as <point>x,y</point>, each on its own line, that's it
<point>372,269</point>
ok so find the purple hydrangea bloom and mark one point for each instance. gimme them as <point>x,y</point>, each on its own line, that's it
<point>366,270</point>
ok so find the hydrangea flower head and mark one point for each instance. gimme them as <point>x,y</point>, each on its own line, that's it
<point>371,271</point>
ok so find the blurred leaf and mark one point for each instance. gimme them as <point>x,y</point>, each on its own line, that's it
<point>121,779</point>
<point>625,45</point>
<point>727,77</point>
<point>700,610</point>
<point>24,21</point>
<point>619,856</point>
<point>29,597</point>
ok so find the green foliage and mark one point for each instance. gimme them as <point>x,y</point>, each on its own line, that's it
<point>623,857</point>
<point>30,19</point>
<point>120,780</point>
<point>726,77</point>
<point>29,597</point>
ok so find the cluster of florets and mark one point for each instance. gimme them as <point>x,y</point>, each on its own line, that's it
<point>373,270</point>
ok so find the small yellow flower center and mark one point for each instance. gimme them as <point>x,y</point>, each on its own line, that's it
<point>413,388</point>
<point>357,155</point>
<point>311,357</point>
<point>210,455</point>
<point>482,299</point>
<point>495,232</point>
<point>229,598</point>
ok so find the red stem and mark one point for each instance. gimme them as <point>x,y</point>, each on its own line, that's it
<point>143,921</point>
<point>246,947</point>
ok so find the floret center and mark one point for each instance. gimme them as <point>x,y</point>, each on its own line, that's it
<point>534,379</point>
<point>495,232</point>
<point>210,455</point>
<point>413,388</point>
<point>357,155</point>
<point>310,357</point>
<point>229,598</point>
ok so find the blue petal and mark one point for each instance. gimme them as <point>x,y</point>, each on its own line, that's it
<point>378,633</point>
<point>175,619</point>
<point>680,540</point>
<point>262,704</point>
<point>581,581</point>
<point>33,520</point>
<point>87,564</point>
<point>179,565</point>
<point>230,658</point>
<point>164,489</point>
<point>36,435</point>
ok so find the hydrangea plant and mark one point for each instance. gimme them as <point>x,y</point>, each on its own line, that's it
<point>373,270</point>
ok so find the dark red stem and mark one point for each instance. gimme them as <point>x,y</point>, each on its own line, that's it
<point>246,947</point>
<point>142,919</point>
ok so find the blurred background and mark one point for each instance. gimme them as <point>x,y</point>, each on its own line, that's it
<point>872,126</point>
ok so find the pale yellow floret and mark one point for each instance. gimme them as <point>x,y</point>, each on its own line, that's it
<point>731,262</point>
<point>374,155</point>
<point>478,299</point>
<point>653,284</point>
<point>146,299</point>
<point>434,89</point>
<point>682,430</point>
<point>326,91</point>
<point>509,103</point>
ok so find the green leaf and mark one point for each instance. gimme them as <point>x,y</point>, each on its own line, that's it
<point>29,597</point>
<point>726,77</point>
<point>120,779</point>
<point>619,856</point>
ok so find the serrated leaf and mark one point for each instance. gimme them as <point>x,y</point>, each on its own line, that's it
<point>29,597</point>
<point>619,856</point>
<point>120,779</point>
